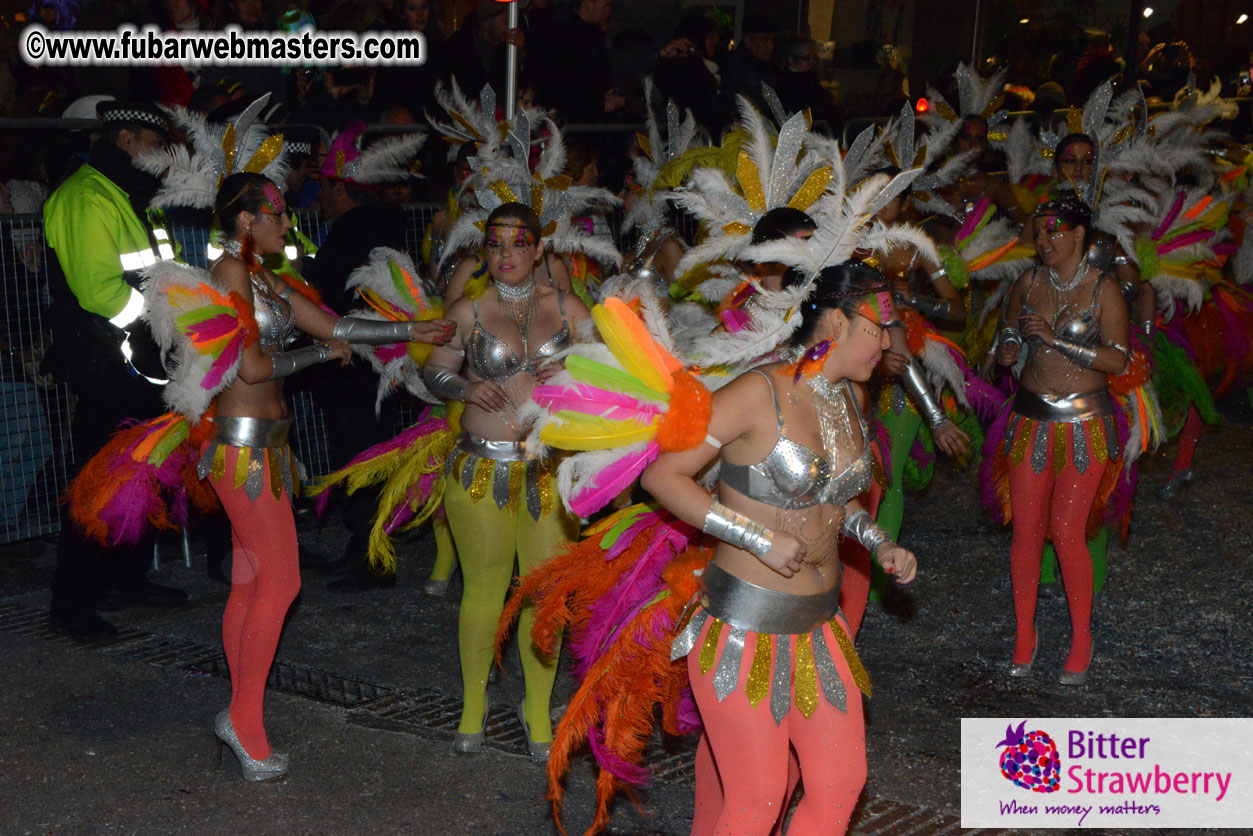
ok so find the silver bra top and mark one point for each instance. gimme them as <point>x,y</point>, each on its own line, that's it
<point>276,324</point>
<point>793,476</point>
<point>1084,327</point>
<point>491,358</point>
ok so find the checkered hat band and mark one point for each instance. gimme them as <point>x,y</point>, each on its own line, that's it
<point>298,147</point>
<point>141,116</point>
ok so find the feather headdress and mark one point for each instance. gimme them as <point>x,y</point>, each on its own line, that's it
<point>659,152</point>
<point>771,172</point>
<point>382,161</point>
<point>508,177</point>
<point>192,176</point>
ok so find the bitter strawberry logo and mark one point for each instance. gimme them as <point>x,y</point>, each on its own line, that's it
<point>1030,759</point>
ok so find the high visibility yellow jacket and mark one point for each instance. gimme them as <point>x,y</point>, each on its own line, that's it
<point>98,239</point>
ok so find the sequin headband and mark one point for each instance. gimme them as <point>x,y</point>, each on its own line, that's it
<point>1069,209</point>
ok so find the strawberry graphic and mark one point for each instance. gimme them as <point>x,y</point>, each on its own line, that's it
<point>1030,759</point>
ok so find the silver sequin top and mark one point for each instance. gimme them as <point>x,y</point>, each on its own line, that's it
<point>276,325</point>
<point>793,476</point>
<point>491,358</point>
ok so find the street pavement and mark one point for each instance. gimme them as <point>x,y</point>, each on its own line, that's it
<point>115,737</point>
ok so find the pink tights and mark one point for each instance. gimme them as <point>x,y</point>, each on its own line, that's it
<point>1056,507</point>
<point>742,763</point>
<point>265,577</point>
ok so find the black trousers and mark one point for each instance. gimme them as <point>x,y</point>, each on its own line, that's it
<point>108,393</point>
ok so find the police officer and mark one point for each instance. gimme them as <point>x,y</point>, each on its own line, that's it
<point>98,225</point>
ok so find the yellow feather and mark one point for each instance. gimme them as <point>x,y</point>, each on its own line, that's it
<point>634,358</point>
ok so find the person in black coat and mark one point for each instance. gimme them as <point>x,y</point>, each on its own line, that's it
<point>570,67</point>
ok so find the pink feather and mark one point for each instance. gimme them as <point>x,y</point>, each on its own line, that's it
<point>388,353</point>
<point>214,327</point>
<point>973,219</point>
<point>223,363</point>
<point>611,763</point>
<point>592,400</point>
<point>638,584</point>
<point>1175,209</point>
<point>612,480</point>
<point>736,320</point>
<point>1184,240</point>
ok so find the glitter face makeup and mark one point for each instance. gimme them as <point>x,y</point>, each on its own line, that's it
<point>499,234</point>
<point>274,204</point>
<point>1053,226</point>
<point>877,310</point>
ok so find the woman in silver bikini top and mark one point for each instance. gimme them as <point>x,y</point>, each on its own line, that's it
<point>491,358</point>
<point>793,476</point>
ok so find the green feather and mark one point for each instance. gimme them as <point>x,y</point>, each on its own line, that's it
<point>607,377</point>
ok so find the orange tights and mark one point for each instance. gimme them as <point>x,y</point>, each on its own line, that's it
<point>742,763</point>
<point>265,577</point>
<point>1056,507</point>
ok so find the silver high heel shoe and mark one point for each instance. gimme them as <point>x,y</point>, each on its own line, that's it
<point>1075,678</point>
<point>270,769</point>
<point>538,752</point>
<point>472,743</point>
<point>1174,486</point>
<point>1020,669</point>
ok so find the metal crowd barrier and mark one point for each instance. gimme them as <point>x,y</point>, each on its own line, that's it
<point>36,455</point>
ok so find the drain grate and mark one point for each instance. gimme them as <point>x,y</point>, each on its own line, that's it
<point>28,621</point>
<point>434,715</point>
<point>166,651</point>
<point>303,681</point>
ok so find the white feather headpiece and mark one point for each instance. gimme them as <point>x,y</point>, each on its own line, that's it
<point>191,177</point>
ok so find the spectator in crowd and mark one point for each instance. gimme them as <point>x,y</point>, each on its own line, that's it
<point>800,87</point>
<point>409,86</point>
<point>686,72</point>
<point>570,64</point>
<point>97,225</point>
<point>256,79</point>
<point>749,67</point>
<point>359,222</point>
<point>475,54</point>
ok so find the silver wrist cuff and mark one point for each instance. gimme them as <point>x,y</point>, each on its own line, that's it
<point>914,383</point>
<point>737,530</point>
<point>444,383</point>
<point>1080,355</point>
<point>1147,326</point>
<point>355,329</point>
<point>938,274</point>
<point>927,306</point>
<point>866,531</point>
<point>1010,336</point>
<point>289,362</point>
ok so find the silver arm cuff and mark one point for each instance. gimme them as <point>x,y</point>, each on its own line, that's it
<point>289,362</point>
<point>938,274</point>
<point>1080,355</point>
<point>444,383</point>
<point>866,531</point>
<point>1010,335</point>
<point>737,530</point>
<point>927,306</point>
<point>913,382</point>
<point>355,329</point>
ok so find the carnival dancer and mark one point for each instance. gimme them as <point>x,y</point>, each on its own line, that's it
<point>789,472</point>
<point>500,498</point>
<point>251,440</point>
<point>622,590</point>
<point>510,153</point>
<point>224,335</point>
<point>1072,322</point>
